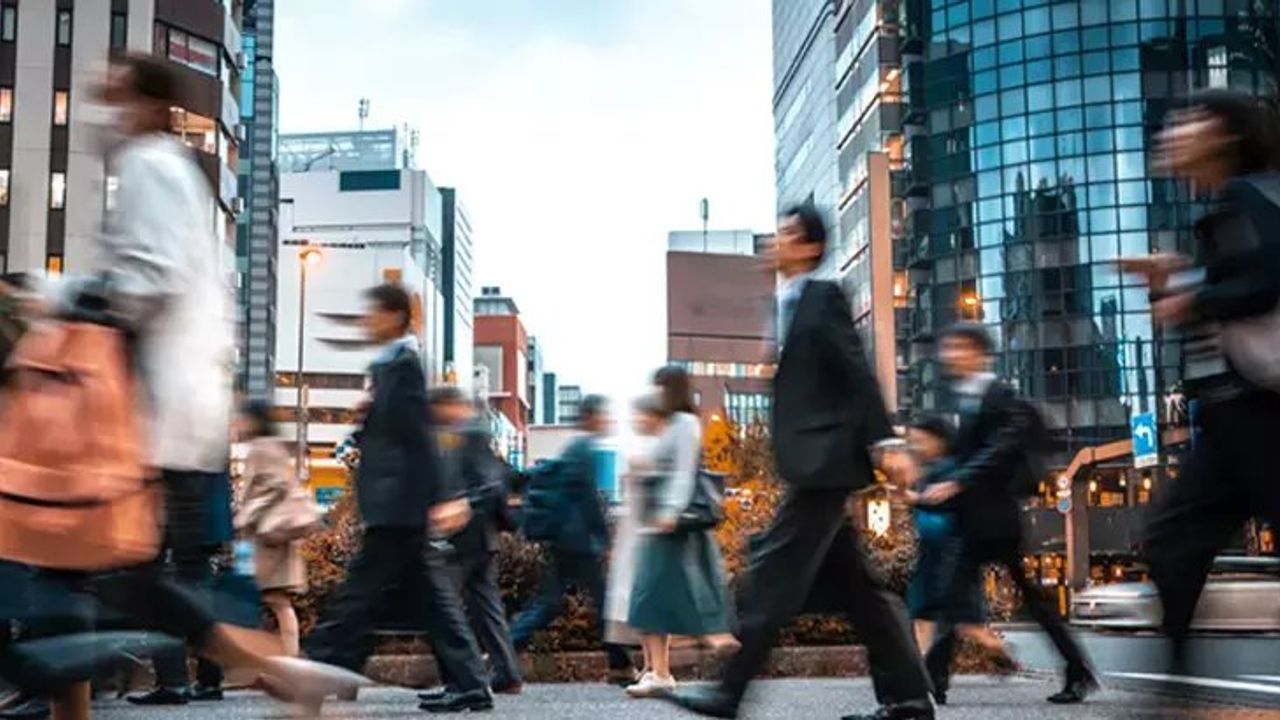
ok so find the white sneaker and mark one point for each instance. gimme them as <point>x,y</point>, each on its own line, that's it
<point>651,685</point>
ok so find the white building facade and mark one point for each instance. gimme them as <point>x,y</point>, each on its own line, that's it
<point>369,227</point>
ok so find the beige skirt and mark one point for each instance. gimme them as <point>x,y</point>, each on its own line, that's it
<point>280,568</point>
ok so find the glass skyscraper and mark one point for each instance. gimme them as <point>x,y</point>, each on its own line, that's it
<point>1030,132</point>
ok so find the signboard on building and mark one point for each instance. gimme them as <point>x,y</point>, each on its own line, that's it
<point>1146,440</point>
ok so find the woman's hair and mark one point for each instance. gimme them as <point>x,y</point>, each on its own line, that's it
<point>1250,121</point>
<point>258,412</point>
<point>675,390</point>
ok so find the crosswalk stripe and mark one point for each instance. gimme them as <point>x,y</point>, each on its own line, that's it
<point>1262,678</point>
<point>1212,683</point>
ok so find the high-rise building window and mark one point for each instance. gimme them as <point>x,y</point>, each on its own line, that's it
<point>61,107</point>
<point>4,187</point>
<point>9,23</point>
<point>58,191</point>
<point>6,105</point>
<point>194,52</point>
<point>64,28</point>
<point>119,31</point>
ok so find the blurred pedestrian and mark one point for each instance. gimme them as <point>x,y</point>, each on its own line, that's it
<point>279,569</point>
<point>829,427</point>
<point>401,495</point>
<point>936,598</point>
<point>158,278</point>
<point>1224,143</point>
<point>468,458</point>
<point>582,541</point>
<point>647,426</point>
<point>991,453</point>
<point>680,585</point>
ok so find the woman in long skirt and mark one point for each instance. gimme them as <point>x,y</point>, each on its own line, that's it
<point>680,582</point>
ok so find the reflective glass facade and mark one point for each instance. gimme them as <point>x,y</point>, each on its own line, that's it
<point>1030,128</point>
<point>804,102</point>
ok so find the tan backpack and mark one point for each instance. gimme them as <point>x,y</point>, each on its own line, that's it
<point>74,491</point>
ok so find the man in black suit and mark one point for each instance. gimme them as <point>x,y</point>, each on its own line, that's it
<point>578,551</point>
<point>830,427</point>
<point>468,457</point>
<point>400,493</point>
<point>991,449</point>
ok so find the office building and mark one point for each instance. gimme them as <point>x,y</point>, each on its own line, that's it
<point>54,186</point>
<point>720,321</point>
<point>502,351</point>
<point>804,103</point>
<point>257,228</point>
<point>1030,132</point>
<point>359,228</point>
<point>569,404</point>
<point>458,266</point>
<point>351,150</point>
<point>550,399</point>
<point>534,378</point>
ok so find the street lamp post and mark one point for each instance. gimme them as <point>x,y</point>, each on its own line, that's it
<point>306,256</point>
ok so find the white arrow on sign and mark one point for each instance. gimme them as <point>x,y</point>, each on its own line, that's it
<point>1146,434</point>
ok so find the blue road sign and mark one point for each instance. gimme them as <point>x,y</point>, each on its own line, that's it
<point>1146,440</point>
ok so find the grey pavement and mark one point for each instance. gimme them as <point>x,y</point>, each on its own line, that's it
<point>1243,668</point>
<point>973,698</point>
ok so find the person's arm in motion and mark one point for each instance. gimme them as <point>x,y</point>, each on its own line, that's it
<point>678,490</point>
<point>411,419</point>
<point>1252,283</point>
<point>997,456</point>
<point>144,251</point>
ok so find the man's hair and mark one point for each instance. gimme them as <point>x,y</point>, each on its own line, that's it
<point>391,297</point>
<point>446,395</point>
<point>815,226</point>
<point>152,78</point>
<point>1251,123</point>
<point>935,425</point>
<point>258,412</point>
<point>593,405</point>
<point>972,332</point>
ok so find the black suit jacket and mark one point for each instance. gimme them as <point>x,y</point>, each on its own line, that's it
<point>990,448</point>
<point>398,478</point>
<point>483,476</point>
<point>827,406</point>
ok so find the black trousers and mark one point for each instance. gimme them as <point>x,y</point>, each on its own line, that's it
<point>476,576</point>
<point>1228,478</point>
<point>344,636</point>
<point>811,533</point>
<point>189,563</point>
<point>974,554</point>
<point>568,570</point>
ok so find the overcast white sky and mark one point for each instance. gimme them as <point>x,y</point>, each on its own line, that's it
<point>578,132</point>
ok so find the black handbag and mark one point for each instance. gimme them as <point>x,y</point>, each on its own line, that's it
<point>706,508</point>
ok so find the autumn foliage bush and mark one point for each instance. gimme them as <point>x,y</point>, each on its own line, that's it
<point>745,456</point>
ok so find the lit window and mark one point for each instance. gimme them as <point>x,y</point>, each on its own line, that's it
<point>9,23</point>
<point>4,187</point>
<point>64,28</point>
<point>53,265</point>
<point>61,107</point>
<point>58,191</point>
<point>6,105</point>
<point>119,31</point>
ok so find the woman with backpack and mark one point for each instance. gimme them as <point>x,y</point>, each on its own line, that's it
<point>679,582</point>
<point>271,489</point>
<point>1226,305</point>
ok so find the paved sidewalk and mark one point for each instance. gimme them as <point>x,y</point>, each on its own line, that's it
<point>973,698</point>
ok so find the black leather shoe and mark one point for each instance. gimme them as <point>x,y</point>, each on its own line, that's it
<point>1080,685</point>
<point>708,702</point>
<point>918,710</point>
<point>459,702</point>
<point>204,693</point>
<point>939,697</point>
<point>30,709</point>
<point>435,694</point>
<point>159,696</point>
